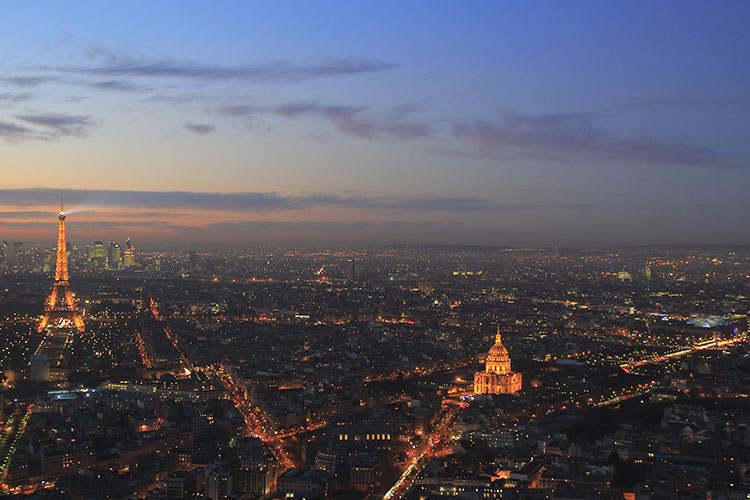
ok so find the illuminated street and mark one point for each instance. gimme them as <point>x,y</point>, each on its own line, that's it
<point>13,428</point>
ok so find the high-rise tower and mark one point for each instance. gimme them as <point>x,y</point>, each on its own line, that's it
<point>350,270</point>
<point>61,305</point>
<point>128,258</point>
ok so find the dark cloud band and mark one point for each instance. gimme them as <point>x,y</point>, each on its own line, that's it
<point>253,202</point>
<point>575,136</point>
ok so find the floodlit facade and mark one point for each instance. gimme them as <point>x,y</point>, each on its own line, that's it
<point>497,377</point>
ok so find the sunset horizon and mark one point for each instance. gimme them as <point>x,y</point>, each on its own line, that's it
<point>542,124</point>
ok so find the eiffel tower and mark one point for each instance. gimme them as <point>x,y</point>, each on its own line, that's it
<point>60,308</point>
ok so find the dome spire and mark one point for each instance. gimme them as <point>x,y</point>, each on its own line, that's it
<point>498,337</point>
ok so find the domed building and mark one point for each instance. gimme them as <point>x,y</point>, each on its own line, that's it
<point>497,377</point>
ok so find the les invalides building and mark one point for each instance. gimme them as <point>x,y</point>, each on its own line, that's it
<point>497,377</point>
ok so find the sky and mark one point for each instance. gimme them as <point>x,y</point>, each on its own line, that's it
<point>208,125</point>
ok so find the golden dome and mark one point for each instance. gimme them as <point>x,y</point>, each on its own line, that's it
<point>498,359</point>
<point>498,352</point>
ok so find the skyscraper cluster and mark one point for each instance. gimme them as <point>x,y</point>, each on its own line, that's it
<point>110,257</point>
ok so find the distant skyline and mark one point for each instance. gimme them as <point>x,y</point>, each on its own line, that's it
<point>231,124</point>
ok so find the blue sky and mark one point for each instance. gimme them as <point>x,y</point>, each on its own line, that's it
<point>505,123</point>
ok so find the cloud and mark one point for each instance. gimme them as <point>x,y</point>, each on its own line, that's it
<point>117,85</point>
<point>199,128</point>
<point>176,99</point>
<point>28,81</point>
<point>44,127</point>
<point>469,204</point>
<point>41,214</point>
<point>575,137</point>
<point>231,220</point>
<point>672,100</point>
<point>15,96</point>
<point>110,70</point>
<point>57,125</point>
<point>82,225</point>
<point>256,202</point>
<point>110,64</point>
<point>348,120</point>
<point>224,235</point>
<point>12,132</point>
<point>24,214</point>
<point>240,111</point>
<point>404,109</point>
<point>463,204</point>
<point>316,137</point>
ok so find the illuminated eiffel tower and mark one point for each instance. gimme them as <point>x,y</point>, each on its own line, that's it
<point>60,308</point>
